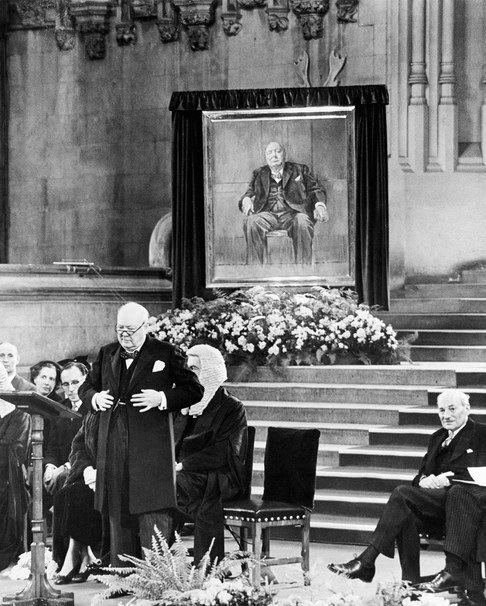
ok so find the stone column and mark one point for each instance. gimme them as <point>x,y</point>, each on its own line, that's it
<point>448,127</point>
<point>4,208</point>
<point>418,109</point>
<point>483,82</point>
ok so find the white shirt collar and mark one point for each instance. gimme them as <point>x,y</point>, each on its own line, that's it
<point>453,434</point>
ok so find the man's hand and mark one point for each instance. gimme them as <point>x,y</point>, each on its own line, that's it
<point>89,475</point>
<point>320,213</point>
<point>246,206</point>
<point>102,400</point>
<point>55,472</point>
<point>50,468</point>
<point>178,467</point>
<point>149,398</point>
<point>435,482</point>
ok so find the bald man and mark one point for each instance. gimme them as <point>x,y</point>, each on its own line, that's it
<point>133,385</point>
<point>282,196</point>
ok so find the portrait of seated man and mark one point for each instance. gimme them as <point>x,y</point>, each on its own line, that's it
<point>282,196</point>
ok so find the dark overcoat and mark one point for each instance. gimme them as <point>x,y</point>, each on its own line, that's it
<point>151,466</point>
<point>469,451</point>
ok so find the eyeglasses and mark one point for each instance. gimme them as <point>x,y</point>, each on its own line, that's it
<point>122,329</point>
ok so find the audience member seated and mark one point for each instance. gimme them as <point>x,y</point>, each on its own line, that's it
<point>14,442</point>
<point>430,503</point>
<point>211,448</point>
<point>9,356</point>
<point>46,376</point>
<point>77,524</point>
<point>63,430</point>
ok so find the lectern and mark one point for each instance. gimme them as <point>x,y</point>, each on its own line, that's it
<point>38,592</point>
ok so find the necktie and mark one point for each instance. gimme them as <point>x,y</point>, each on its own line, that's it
<point>447,441</point>
<point>129,355</point>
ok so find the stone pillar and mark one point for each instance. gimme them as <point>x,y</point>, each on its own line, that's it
<point>448,127</point>
<point>417,109</point>
<point>4,208</point>
<point>483,82</point>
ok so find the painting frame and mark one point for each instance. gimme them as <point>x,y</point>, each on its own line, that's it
<point>321,139</point>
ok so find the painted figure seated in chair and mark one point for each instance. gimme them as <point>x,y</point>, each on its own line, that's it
<point>435,499</point>
<point>282,196</point>
<point>211,448</point>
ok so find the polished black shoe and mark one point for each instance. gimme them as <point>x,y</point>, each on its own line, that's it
<point>354,569</point>
<point>66,579</point>
<point>443,581</point>
<point>119,593</point>
<point>471,598</point>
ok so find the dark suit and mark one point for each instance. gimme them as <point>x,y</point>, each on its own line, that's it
<point>411,509</point>
<point>135,459</point>
<point>298,192</point>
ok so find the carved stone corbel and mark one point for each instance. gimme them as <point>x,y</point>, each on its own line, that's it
<point>91,19</point>
<point>277,11</point>
<point>126,30</point>
<point>311,16</point>
<point>196,16</point>
<point>167,22</point>
<point>248,4</point>
<point>64,30</point>
<point>346,10</point>
<point>230,16</point>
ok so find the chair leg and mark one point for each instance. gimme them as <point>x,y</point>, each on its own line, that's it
<point>257,554</point>
<point>266,542</point>
<point>305,549</point>
<point>243,538</point>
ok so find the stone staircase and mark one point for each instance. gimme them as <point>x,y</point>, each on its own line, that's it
<point>375,421</point>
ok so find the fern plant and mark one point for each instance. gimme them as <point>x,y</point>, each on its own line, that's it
<point>166,574</point>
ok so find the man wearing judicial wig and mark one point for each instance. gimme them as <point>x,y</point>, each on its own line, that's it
<point>211,450</point>
<point>440,499</point>
<point>133,385</point>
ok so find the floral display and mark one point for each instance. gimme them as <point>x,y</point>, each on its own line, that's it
<point>21,570</point>
<point>275,327</point>
<point>166,576</point>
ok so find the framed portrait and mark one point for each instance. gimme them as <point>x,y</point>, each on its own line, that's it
<point>279,197</point>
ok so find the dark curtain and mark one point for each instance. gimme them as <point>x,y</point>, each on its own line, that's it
<point>371,178</point>
<point>4,208</point>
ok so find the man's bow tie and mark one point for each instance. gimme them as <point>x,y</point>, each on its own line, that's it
<point>129,355</point>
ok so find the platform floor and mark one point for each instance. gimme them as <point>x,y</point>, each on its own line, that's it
<point>289,577</point>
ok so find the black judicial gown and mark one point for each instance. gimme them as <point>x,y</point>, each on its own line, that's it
<point>15,428</point>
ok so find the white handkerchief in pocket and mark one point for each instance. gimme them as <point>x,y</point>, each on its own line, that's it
<point>158,366</point>
<point>469,450</point>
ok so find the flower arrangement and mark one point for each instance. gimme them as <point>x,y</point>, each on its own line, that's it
<point>21,570</point>
<point>275,327</point>
<point>166,577</point>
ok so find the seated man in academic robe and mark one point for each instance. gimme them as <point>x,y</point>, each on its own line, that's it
<point>211,448</point>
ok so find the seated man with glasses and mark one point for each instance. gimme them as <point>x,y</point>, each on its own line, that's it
<point>133,385</point>
<point>63,430</point>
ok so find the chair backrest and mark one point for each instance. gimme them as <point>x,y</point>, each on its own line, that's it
<point>290,465</point>
<point>249,462</point>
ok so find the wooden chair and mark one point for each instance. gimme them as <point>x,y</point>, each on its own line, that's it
<point>288,497</point>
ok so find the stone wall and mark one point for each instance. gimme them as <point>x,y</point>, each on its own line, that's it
<point>89,141</point>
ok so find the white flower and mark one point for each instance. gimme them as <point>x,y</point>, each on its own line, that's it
<point>224,597</point>
<point>230,348</point>
<point>274,350</point>
<point>346,334</point>
<point>250,347</point>
<point>360,334</point>
<point>242,341</point>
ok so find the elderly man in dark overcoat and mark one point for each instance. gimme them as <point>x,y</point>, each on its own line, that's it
<point>134,383</point>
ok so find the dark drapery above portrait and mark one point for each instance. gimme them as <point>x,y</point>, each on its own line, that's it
<point>371,239</point>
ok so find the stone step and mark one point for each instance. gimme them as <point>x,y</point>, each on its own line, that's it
<point>446,337</point>
<point>351,477</point>
<point>399,435</point>
<point>402,374</point>
<point>443,290</point>
<point>383,456</point>
<point>345,530</point>
<point>474,276</point>
<point>412,321</point>
<point>445,353</point>
<point>344,502</point>
<point>438,305</point>
<point>321,392</point>
<point>427,416</point>
<point>471,378</point>
<point>326,412</point>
